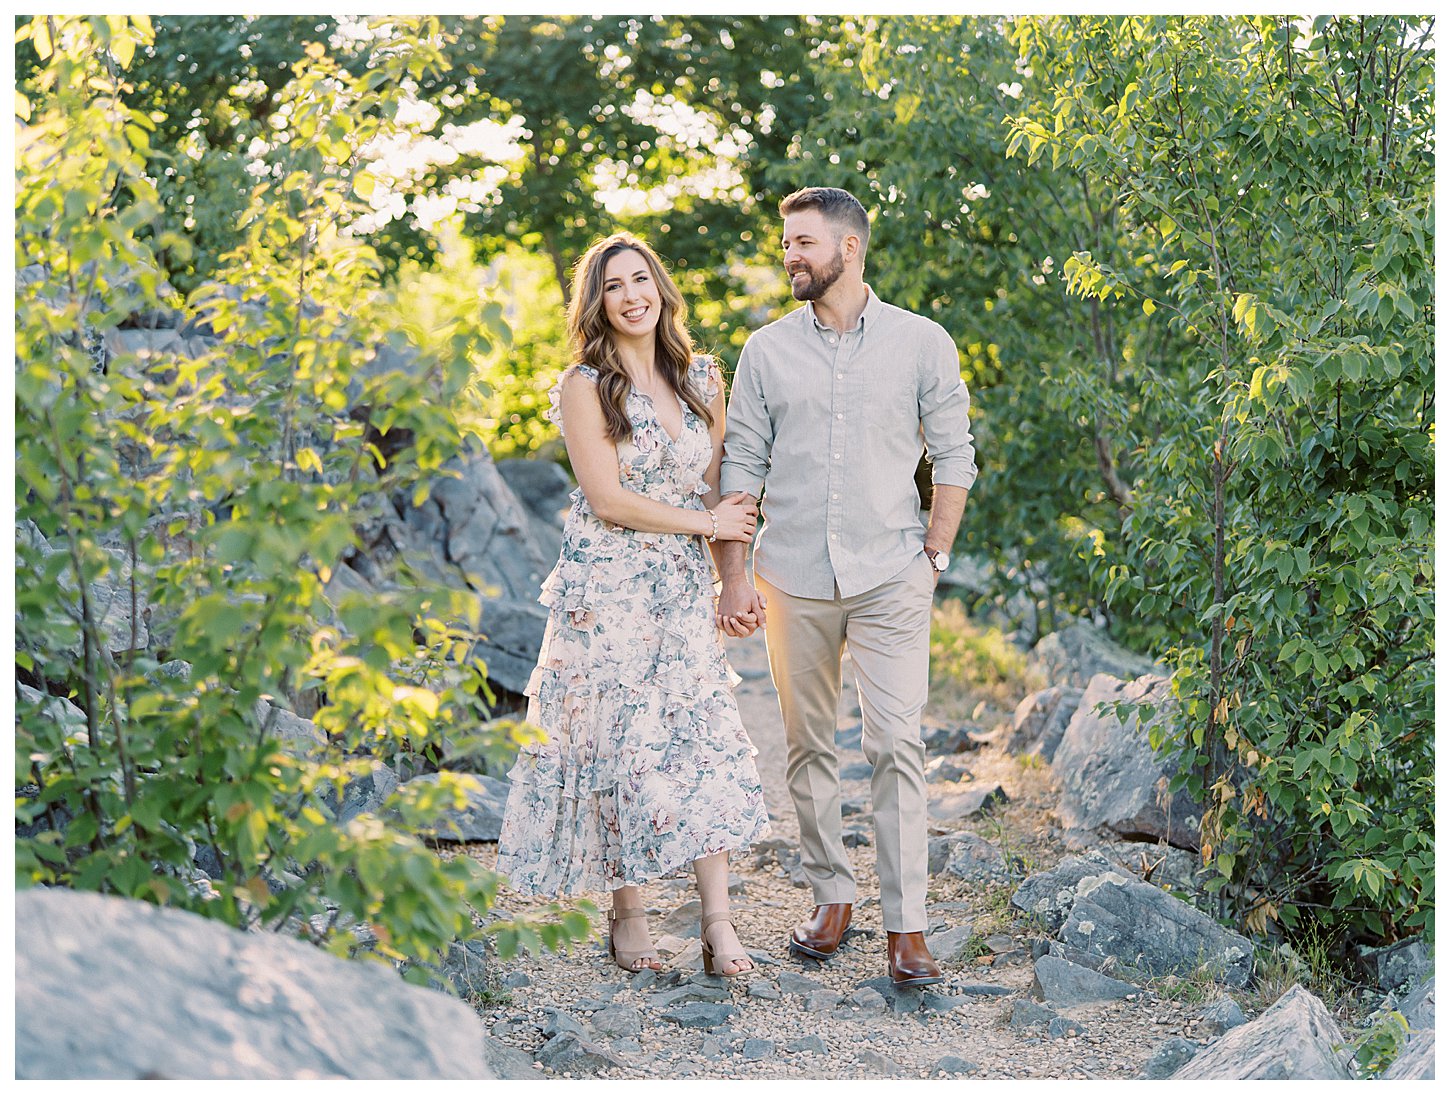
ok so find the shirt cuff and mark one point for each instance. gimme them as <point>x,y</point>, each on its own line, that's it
<point>954,472</point>
<point>736,479</point>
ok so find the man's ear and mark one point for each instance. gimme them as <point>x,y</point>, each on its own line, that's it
<point>850,246</point>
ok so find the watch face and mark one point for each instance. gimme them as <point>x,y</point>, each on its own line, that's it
<point>940,561</point>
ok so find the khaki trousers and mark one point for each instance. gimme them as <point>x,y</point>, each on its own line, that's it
<point>887,631</point>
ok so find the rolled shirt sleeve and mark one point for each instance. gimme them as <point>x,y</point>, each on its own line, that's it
<point>748,431</point>
<point>944,407</point>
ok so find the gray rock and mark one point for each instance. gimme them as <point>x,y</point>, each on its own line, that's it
<point>757,1049</point>
<point>1062,984</point>
<point>955,1066</point>
<point>1416,1060</point>
<point>476,529</point>
<point>1038,723</point>
<point>1418,1007</point>
<point>480,820</point>
<point>683,921</point>
<point>546,493</point>
<point>965,855</point>
<point>902,1000</point>
<point>557,1021</point>
<point>465,967</point>
<point>300,737</point>
<point>1111,777</point>
<point>878,1062</point>
<point>856,838</point>
<point>617,1022</point>
<point>1026,1015</point>
<point>1049,895</point>
<point>542,486</point>
<point>1167,1059</point>
<point>363,794</point>
<point>848,737</point>
<point>954,945</point>
<point>1220,1017</point>
<point>795,984</point>
<point>513,632</point>
<point>517,979</point>
<point>570,1052</point>
<point>1393,967</point>
<point>1296,1039</point>
<point>946,740</point>
<point>980,988</point>
<point>961,805</point>
<point>107,988</point>
<point>1149,929</point>
<point>1077,653</point>
<point>945,770</point>
<point>1062,1027</point>
<point>867,1001</point>
<point>821,1000</point>
<point>936,1001</point>
<point>698,1015</point>
<point>762,990</point>
<point>811,1043</point>
<point>858,770</point>
<point>709,994</point>
<point>507,1062</point>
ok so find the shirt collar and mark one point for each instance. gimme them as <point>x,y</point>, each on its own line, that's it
<point>868,316</point>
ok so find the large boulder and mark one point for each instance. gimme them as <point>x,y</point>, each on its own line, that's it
<point>1398,965</point>
<point>546,493</point>
<point>1416,1060</point>
<point>1078,652</point>
<point>1039,721</point>
<point>478,530</point>
<point>480,819</point>
<point>1049,895</point>
<point>1296,1039</point>
<point>1148,929</point>
<point>107,988</point>
<point>1110,775</point>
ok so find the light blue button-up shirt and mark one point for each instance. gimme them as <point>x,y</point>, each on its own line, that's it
<point>832,427</point>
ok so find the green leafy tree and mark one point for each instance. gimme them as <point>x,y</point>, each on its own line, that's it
<point>1276,182</point>
<point>182,511</point>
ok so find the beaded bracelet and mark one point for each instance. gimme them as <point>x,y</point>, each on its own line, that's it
<point>714,527</point>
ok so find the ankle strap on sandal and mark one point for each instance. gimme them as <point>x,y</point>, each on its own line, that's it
<point>713,918</point>
<point>625,914</point>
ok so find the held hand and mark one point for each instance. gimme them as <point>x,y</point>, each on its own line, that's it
<point>735,518</point>
<point>741,609</point>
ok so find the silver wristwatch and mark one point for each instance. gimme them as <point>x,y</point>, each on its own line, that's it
<point>940,560</point>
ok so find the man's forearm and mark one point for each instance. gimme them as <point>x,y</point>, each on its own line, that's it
<point>729,560</point>
<point>947,504</point>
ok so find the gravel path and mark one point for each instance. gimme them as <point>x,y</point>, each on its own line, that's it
<point>797,1018</point>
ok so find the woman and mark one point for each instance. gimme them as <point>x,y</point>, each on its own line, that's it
<point>646,767</point>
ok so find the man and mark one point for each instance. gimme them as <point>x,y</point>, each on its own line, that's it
<point>828,412</point>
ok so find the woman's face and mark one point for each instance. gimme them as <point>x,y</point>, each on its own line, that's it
<point>631,297</point>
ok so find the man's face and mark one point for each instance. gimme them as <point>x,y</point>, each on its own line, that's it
<point>813,254</point>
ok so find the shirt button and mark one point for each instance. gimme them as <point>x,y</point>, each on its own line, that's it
<point>834,536</point>
<point>836,455</point>
<point>840,416</point>
<point>834,497</point>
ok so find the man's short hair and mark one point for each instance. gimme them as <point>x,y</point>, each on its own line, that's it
<point>838,206</point>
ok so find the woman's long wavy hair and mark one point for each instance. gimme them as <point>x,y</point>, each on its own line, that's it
<point>591,337</point>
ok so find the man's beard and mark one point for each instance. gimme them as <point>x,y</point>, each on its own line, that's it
<point>816,286</point>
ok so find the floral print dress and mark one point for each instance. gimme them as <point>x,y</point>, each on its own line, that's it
<point>647,766</point>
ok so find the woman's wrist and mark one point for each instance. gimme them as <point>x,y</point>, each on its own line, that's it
<point>714,527</point>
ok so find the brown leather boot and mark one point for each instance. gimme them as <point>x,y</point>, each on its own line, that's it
<point>908,961</point>
<point>819,936</point>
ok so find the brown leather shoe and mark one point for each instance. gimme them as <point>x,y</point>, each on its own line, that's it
<point>819,936</point>
<point>908,960</point>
